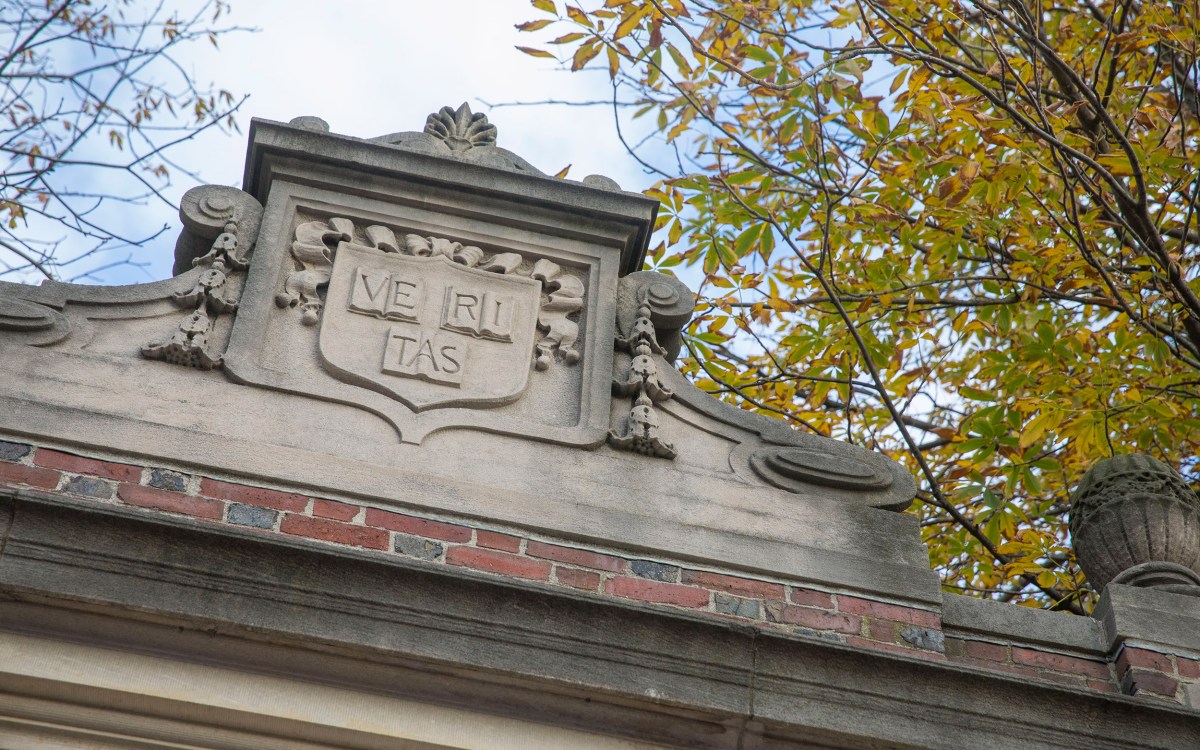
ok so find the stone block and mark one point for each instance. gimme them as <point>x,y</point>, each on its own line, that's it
<point>415,546</point>
<point>88,487</point>
<point>655,571</point>
<point>165,479</point>
<point>926,638</point>
<point>727,604</point>
<point>10,451</point>
<point>251,515</point>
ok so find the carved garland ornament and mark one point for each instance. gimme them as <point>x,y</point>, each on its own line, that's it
<point>235,215</point>
<point>642,382</point>
<point>316,244</point>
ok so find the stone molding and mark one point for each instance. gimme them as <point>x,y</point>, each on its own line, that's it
<point>988,636</point>
<point>715,684</point>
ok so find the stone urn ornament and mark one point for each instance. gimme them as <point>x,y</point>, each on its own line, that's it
<point>1135,521</point>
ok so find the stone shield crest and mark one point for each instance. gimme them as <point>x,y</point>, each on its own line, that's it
<point>428,331</point>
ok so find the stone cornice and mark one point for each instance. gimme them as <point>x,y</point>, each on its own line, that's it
<point>696,672</point>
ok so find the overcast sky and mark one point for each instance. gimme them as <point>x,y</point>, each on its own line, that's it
<point>370,67</point>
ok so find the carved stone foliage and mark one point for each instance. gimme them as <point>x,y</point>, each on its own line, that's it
<point>316,245</point>
<point>1135,521</point>
<point>668,300</point>
<point>230,219</point>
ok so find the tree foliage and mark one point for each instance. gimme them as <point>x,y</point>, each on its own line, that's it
<point>962,232</point>
<point>93,96</point>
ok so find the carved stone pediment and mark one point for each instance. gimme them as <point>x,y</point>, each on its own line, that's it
<point>417,327</point>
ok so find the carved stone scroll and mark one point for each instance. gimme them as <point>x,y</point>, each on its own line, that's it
<point>230,218</point>
<point>565,298</point>
<point>641,380</point>
<point>313,250</point>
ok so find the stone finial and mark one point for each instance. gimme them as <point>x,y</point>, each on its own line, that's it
<point>460,128</point>
<point>1135,521</point>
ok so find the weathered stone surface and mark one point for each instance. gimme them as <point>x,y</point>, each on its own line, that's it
<point>89,487</point>
<point>1060,630</point>
<point>242,601</point>
<point>164,479</point>
<point>312,400</point>
<point>250,515</point>
<point>413,546</point>
<point>10,451</point>
<point>1133,614</point>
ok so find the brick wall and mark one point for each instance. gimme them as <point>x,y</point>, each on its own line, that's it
<point>780,606</point>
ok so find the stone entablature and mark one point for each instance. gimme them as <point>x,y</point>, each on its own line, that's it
<point>1066,650</point>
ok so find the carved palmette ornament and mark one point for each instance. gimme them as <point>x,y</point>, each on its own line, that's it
<point>316,245</point>
<point>230,218</point>
<point>663,306</point>
<point>1135,521</point>
<point>461,129</point>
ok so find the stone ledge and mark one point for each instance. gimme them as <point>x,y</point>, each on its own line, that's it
<point>968,617</point>
<point>374,607</point>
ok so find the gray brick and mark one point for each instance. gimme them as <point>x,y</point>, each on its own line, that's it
<point>13,451</point>
<point>164,479</point>
<point>415,546</point>
<point>251,515</point>
<point>926,638</point>
<point>727,604</point>
<point>655,571</point>
<point>89,487</point>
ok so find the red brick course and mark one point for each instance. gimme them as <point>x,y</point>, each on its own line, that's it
<point>47,479</point>
<point>335,531</point>
<point>581,557</point>
<point>854,605</point>
<point>1138,681</point>
<point>854,620</point>
<point>149,497</point>
<point>496,540</point>
<point>1059,662</point>
<point>260,496</point>
<point>855,640</point>
<point>1188,668</point>
<point>94,467</point>
<point>818,619</point>
<point>502,563</point>
<point>1140,657</point>
<point>986,651</point>
<point>446,532</point>
<point>647,590</point>
<point>733,584</point>
<point>335,510</point>
<point>810,598</point>
<point>576,578</point>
